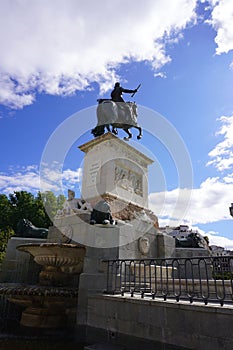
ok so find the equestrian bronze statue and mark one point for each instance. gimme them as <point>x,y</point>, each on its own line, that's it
<point>115,113</point>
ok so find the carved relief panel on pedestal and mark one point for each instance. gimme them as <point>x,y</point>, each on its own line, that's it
<point>128,179</point>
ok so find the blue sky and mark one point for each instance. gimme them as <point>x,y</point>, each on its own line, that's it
<point>58,57</point>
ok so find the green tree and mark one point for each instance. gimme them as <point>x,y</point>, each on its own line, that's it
<point>22,206</point>
<point>39,209</point>
<point>60,201</point>
<point>6,213</point>
<point>5,234</point>
<point>52,203</point>
<point>40,217</point>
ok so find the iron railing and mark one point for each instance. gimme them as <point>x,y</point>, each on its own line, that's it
<point>202,279</point>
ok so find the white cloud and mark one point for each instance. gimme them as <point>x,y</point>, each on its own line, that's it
<point>27,178</point>
<point>216,239</point>
<point>72,176</point>
<point>221,20</point>
<point>59,47</point>
<point>209,203</point>
<point>160,74</point>
<point>222,153</point>
<point>10,95</point>
<point>21,180</point>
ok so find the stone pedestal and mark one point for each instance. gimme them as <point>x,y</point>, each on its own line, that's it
<point>117,172</point>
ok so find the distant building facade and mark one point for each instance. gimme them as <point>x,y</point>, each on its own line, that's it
<point>181,231</point>
<point>225,261</point>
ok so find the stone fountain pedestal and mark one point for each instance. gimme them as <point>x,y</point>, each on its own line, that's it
<point>49,304</point>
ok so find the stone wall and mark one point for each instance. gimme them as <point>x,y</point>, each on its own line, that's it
<point>19,267</point>
<point>152,324</point>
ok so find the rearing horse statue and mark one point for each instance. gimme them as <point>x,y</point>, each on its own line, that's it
<point>118,115</point>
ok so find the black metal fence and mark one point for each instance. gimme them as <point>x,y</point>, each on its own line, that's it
<point>202,279</point>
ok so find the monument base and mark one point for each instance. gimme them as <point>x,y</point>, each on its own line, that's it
<point>124,210</point>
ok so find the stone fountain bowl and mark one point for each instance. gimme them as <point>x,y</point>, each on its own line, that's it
<point>67,257</point>
<point>43,306</point>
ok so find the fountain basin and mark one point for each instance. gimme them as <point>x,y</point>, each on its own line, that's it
<point>44,307</point>
<point>54,254</point>
<point>58,261</point>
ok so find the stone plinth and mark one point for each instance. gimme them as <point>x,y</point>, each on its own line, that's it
<point>116,171</point>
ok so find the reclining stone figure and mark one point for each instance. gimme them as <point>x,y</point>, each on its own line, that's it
<point>26,229</point>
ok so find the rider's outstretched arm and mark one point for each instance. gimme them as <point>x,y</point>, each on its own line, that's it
<point>128,91</point>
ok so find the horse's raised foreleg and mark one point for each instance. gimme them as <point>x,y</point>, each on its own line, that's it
<point>140,132</point>
<point>108,127</point>
<point>129,134</point>
<point>114,130</point>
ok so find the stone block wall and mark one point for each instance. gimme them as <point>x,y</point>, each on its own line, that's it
<point>152,324</point>
<point>19,267</point>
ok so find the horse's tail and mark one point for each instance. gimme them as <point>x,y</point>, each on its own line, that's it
<point>98,130</point>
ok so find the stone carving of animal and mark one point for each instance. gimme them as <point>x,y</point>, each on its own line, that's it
<point>193,240</point>
<point>101,214</point>
<point>26,229</point>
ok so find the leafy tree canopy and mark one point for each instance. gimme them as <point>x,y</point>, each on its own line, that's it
<point>39,209</point>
